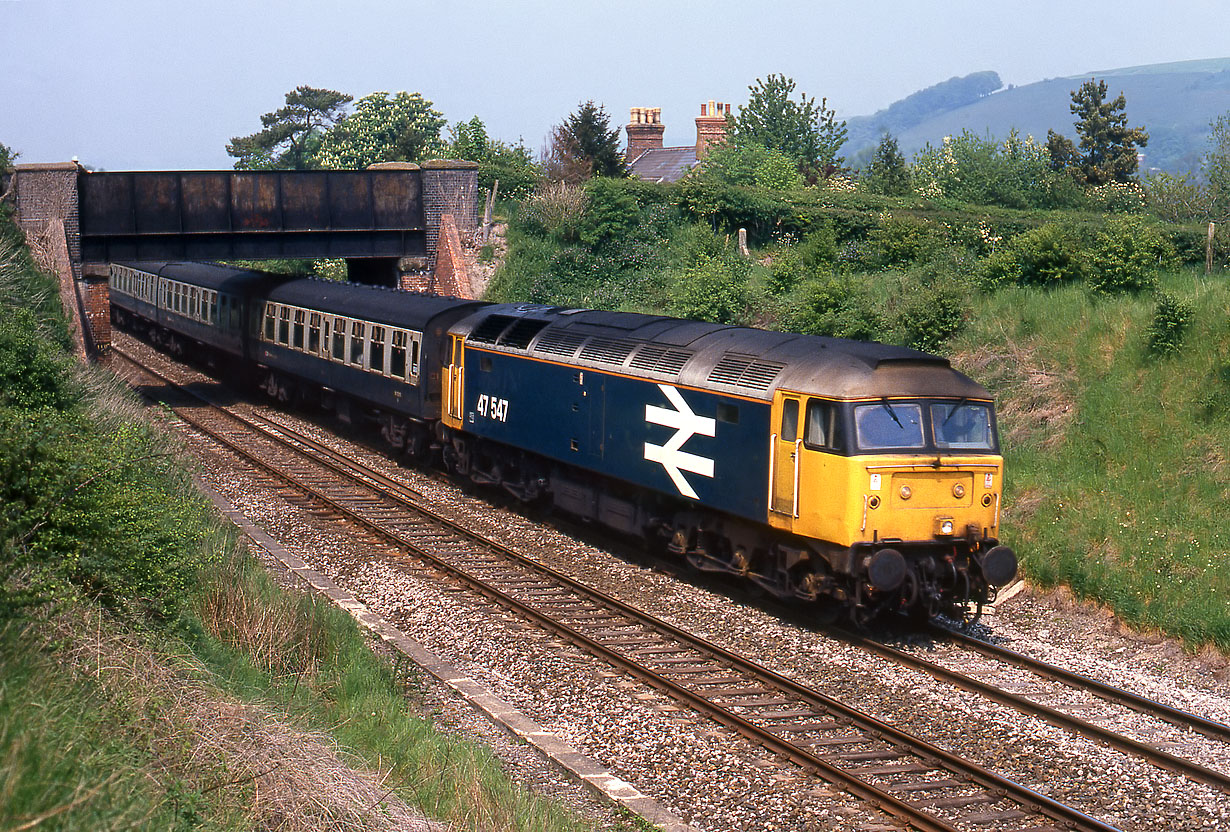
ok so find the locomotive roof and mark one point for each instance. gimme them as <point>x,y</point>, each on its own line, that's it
<point>738,360</point>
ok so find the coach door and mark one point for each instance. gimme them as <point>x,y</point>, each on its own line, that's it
<point>785,449</point>
<point>454,382</point>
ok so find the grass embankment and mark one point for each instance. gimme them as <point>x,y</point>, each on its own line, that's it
<point>150,675</point>
<point>1118,458</point>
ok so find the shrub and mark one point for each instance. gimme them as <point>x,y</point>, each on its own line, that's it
<point>1126,256</point>
<point>931,313</point>
<point>610,214</point>
<point>840,306</point>
<point>555,210</point>
<point>1171,320</point>
<point>897,242</point>
<point>712,289</point>
<point>1044,256</point>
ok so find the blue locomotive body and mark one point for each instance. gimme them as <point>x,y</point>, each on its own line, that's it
<point>677,441</point>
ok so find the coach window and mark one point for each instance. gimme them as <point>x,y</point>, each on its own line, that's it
<point>194,302</point>
<point>339,339</point>
<point>397,354</point>
<point>823,428</point>
<point>300,321</point>
<point>790,420</point>
<point>414,357</point>
<point>271,317</point>
<point>283,324</point>
<point>356,343</point>
<point>376,353</point>
<point>314,333</point>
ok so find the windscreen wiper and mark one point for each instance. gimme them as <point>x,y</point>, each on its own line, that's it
<point>884,402</point>
<point>953,412</point>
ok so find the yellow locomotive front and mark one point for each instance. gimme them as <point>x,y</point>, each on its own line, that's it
<point>899,495</point>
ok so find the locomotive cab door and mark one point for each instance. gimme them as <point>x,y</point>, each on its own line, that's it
<point>454,382</point>
<point>785,452</point>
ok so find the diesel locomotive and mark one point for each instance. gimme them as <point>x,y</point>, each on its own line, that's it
<point>861,476</point>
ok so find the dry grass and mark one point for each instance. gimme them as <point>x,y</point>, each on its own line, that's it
<point>1033,404</point>
<point>214,749</point>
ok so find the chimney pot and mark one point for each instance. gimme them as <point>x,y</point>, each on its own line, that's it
<point>644,132</point>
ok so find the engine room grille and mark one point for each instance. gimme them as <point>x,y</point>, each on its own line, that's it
<point>559,342</point>
<point>521,333</point>
<point>608,350</point>
<point>489,329</point>
<point>659,359</point>
<point>745,371</point>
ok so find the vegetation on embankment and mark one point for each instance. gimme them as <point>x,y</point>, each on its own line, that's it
<point>1106,346</point>
<point>151,676</point>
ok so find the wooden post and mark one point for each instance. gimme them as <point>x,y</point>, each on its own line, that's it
<point>743,243</point>
<point>490,209</point>
<point>1208,249</point>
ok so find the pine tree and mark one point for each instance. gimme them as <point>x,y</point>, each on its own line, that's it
<point>290,133</point>
<point>1107,144</point>
<point>887,173</point>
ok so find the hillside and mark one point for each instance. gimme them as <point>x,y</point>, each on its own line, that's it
<point>1175,102</point>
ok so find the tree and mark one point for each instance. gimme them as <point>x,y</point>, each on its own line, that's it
<point>808,134</point>
<point>887,173</point>
<point>584,145</point>
<point>1217,168</point>
<point>750,164</point>
<point>291,133</point>
<point>1107,144</point>
<point>512,165</point>
<point>404,128</point>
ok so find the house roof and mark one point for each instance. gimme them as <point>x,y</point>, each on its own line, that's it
<point>664,164</point>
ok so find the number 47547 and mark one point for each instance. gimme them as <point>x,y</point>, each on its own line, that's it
<point>492,408</point>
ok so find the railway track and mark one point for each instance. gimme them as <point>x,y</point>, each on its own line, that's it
<point>904,776</point>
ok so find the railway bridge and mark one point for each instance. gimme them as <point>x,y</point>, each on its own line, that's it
<point>395,224</point>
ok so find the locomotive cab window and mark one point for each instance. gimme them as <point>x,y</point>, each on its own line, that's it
<point>790,420</point>
<point>822,430</point>
<point>889,426</point>
<point>962,426</point>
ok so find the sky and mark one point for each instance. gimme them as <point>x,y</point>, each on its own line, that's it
<point>165,84</point>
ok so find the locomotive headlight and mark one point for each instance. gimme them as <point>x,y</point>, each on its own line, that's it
<point>944,526</point>
<point>958,490</point>
<point>905,492</point>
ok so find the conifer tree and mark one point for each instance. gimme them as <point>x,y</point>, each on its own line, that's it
<point>1108,145</point>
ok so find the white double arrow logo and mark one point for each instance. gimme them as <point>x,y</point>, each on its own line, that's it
<point>686,424</point>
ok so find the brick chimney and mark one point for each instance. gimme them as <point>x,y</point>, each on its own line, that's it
<point>644,131</point>
<point>710,126</point>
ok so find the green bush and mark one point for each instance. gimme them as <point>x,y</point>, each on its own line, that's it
<point>1126,256</point>
<point>610,214</point>
<point>931,313</point>
<point>1043,256</point>
<point>841,306</point>
<point>813,256</point>
<point>900,241</point>
<point>1171,320</point>
<point>712,289</point>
